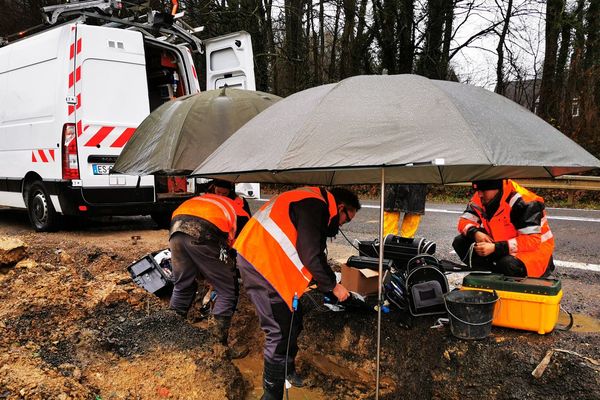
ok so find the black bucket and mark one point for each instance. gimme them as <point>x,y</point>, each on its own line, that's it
<point>471,313</point>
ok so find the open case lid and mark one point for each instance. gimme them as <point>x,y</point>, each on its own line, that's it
<point>544,286</point>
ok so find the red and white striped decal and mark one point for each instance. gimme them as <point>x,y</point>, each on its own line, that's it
<point>74,77</point>
<point>111,136</point>
<point>42,156</point>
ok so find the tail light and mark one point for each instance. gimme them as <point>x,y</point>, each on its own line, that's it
<point>70,164</point>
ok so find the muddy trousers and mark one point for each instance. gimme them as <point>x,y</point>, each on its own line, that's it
<point>192,259</point>
<point>275,320</point>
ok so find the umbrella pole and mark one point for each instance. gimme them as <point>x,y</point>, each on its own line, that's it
<point>379,293</point>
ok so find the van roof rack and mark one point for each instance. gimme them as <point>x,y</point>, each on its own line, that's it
<point>158,25</point>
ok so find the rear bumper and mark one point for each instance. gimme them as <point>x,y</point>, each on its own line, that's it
<point>109,201</point>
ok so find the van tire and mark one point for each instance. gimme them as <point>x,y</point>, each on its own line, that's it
<point>162,219</point>
<point>41,212</point>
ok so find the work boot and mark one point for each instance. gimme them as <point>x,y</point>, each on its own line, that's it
<point>273,381</point>
<point>292,376</point>
<point>219,328</point>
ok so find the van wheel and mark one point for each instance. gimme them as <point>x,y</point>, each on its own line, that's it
<point>41,212</point>
<point>162,219</point>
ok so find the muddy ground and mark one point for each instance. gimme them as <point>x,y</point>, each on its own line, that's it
<point>74,326</point>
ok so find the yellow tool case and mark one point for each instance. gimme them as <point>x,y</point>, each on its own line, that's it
<point>530,304</point>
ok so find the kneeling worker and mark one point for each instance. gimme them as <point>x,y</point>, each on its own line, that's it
<point>505,230</point>
<point>280,251</point>
<point>202,231</point>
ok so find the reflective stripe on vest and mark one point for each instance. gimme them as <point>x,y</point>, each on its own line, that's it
<point>268,243</point>
<point>201,207</point>
<point>501,229</point>
<point>264,219</point>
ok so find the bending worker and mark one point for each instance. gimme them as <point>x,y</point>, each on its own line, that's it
<point>280,251</point>
<point>202,231</point>
<point>227,189</point>
<point>505,230</point>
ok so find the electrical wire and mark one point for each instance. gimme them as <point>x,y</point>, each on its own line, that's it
<point>349,242</point>
<point>287,352</point>
<point>469,255</point>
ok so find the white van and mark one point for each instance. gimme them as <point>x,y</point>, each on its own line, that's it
<point>70,99</point>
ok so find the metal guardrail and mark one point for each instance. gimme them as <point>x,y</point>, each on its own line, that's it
<point>571,183</point>
<point>574,182</point>
<point>565,182</point>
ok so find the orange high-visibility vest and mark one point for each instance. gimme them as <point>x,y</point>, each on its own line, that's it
<point>533,245</point>
<point>238,203</point>
<point>268,243</point>
<point>218,210</point>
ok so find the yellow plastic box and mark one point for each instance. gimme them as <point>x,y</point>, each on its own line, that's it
<point>530,304</point>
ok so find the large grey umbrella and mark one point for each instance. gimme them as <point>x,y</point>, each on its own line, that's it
<point>176,137</point>
<point>449,132</point>
<point>399,129</point>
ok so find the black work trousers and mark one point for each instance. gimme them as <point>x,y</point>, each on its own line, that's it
<point>274,315</point>
<point>507,265</point>
<point>196,259</point>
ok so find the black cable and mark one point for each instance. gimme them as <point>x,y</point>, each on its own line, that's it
<point>348,240</point>
<point>287,352</point>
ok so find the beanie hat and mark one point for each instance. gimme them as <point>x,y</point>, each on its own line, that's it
<point>490,184</point>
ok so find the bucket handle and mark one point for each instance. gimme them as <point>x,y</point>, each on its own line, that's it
<point>470,323</point>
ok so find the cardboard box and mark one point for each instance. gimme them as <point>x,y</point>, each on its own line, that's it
<point>362,281</point>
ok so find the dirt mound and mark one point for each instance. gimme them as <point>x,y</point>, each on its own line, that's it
<point>78,331</point>
<point>74,326</point>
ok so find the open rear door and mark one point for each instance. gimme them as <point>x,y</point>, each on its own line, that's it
<point>230,61</point>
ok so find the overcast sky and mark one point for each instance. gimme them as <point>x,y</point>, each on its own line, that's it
<point>477,63</point>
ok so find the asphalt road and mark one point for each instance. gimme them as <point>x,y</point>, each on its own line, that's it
<point>577,232</point>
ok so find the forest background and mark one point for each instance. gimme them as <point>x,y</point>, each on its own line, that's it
<point>542,54</point>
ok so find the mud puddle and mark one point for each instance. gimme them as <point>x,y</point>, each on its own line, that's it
<point>251,369</point>
<point>581,323</point>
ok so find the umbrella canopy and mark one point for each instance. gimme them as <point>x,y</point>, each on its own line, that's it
<point>176,137</point>
<point>395,129</point>
<point>435,131</point>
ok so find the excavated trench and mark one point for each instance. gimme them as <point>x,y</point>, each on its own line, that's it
<point>74,326</point>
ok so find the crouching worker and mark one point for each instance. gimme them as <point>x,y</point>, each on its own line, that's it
<point>280,251</point>
<point>202,231</point>
<point>505,230</point>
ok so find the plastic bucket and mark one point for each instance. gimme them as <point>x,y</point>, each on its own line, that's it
<point>471,313</point>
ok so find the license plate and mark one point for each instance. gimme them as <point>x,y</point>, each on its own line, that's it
<point>101,169</point>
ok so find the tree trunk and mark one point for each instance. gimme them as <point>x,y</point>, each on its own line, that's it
<point>347,37</point>
<point>548,94</point>
<point>500,83</point>
<point>406,41</point>
<point>431,58</point>
<point>332,61</point>
<point>321,69</point>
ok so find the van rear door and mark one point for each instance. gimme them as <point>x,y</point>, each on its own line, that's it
<point>230,61</point>
<point>112,100</point>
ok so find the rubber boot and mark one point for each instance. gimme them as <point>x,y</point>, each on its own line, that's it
<point>292,376</point>
<point>219,328</point>
<point>273,381</point>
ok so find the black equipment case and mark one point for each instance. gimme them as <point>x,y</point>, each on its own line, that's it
<point>397,248</point>
<point>153,272</point>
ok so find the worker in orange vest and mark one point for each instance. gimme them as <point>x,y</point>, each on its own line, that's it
<point>227,189</point>
<point>505,230</point>
<point>281,250</point>
<point>202,231</point>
